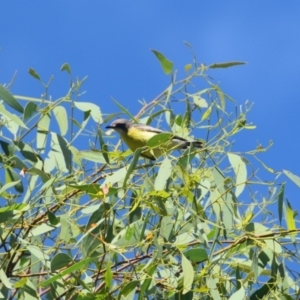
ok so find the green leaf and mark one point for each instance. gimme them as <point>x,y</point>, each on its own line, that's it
<point>124,110</point>
<point>280,201</point>
<point>200,102</point>
<point>226,64</point>
<point>59,156</point>
<point>166,64</point>
<point>159,139</point>
<point>11,175</point>
<point>187,67</point>
<point>11,117</point>
<point>64,149</point>
<point>153,116</point>
<point>213,288</point>
<point>52,218</point>
<point>30,109</point>
<point>9,99</point>
<point>41,229</point>
<point>7,148</point>
<point>149,271</point>
<point>66,67</point>
<point>92,189</point>
<point>17,207</point>
<point>133,164</point>
<point>240,170</point>
<point>221,96</point>
<point>61,117</point>
<point>92,108</point>
<point>188,274</point>
<point>34,74</point>
<point>294,178</point>
<point>95,156</point>
<point>117,176</point>
<point>78,266</point>
<point>206,114</point>
<point>38,253</point>
<point>163,175</point>
<point>158,205</point>
<point>129,236</point>
<point>196,255</point>
<point>103,146</point>
<point>238,295</point>
<point>160,193</point>
<point>289,214</point>
<point>60,261</point>
<point>166,228</point>
<point>135,210</point>
<point>108,275</point>
<point>20,283</point>
<point>264,290</point>
<point>5,280</point>
<point>43,130</point>
<point>128,288</point>
<point>35,171</point>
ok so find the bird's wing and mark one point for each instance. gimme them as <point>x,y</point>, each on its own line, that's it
<point>148,128</point>
<point>143,127</point>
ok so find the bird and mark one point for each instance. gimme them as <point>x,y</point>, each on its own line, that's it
<point>137,135</point>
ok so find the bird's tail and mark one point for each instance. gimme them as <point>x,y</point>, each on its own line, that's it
<point>197,144</point>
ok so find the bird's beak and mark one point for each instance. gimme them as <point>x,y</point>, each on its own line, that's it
<point>110,127</point>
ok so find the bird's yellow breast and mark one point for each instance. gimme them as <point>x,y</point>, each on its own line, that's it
<point>135,138</point>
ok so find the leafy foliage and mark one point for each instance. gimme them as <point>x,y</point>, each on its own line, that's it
<point>86,221</point>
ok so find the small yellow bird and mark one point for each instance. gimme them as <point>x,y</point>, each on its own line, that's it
<point>137,135</point>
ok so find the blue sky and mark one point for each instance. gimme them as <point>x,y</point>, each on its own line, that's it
<point>110,42</point>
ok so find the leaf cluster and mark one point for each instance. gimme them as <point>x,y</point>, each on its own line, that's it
<point>90,221</point>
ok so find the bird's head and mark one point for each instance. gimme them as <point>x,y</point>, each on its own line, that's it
<point>121,125</point>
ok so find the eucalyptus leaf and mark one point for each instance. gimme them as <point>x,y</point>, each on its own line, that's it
<point>166,64</point>
<point>61,117</point>
<point>9,99</point>
<point>163,175</point>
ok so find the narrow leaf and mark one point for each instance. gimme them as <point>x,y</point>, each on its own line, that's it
<point>43,130</point>
<point>13,176</point>
<point>196,255</point>
<point>95,156</point>
<point>60,261</point>
<point>294,178</point>
<point>226,64</point>
<point>206,114</point>
<point>159,139</point>
<point>92,108</point>
<point>187,67</point>
<point>123,109</point>
<point>238,295</point>
<point>166,64</point>
<point>280,201</point>
<point>133,164</point>
<point>66,67</point>
<point>128,288</point>
<point>289,213</point>
<point>5,280</point>
<point>34,74</point>
<point>108,276</point>
<point>9,99</point>
<point>240,170</point>
<point>30,109</point>
<point>103,146</point>
<point>188,274</point>
<point>11,116</point>
<point>163,175</point>
<point>61,117</point>
<point>78,266</point>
